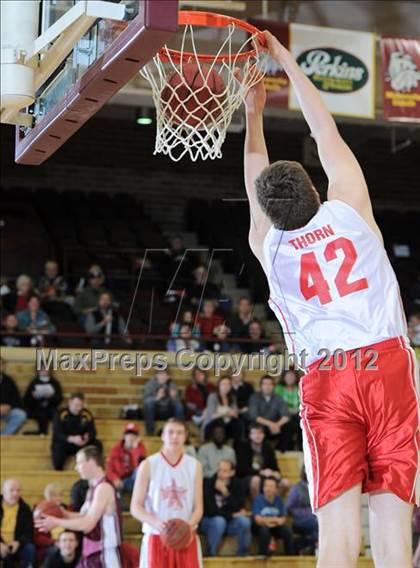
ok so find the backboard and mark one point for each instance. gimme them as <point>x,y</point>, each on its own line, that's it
<point>86,51</point>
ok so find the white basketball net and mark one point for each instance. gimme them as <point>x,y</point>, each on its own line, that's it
<point>203,138</point>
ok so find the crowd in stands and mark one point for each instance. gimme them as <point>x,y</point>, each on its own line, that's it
<point>229,506</point>
<point>239,428</point>
<point>245,492</point>
<point>37,310</point>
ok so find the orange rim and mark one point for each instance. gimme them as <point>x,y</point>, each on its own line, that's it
<point>187,17</point>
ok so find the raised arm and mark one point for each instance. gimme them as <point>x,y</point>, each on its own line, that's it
<point>255,160</point>
<point>345,177</point>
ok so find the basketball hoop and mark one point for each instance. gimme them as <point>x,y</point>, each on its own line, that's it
<point>196,94</point>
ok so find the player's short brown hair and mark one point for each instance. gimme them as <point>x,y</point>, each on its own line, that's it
<point>93,453</point>
<point>287,195</point>
<point>175,421</point>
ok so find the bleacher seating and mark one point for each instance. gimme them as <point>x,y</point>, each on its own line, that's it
<point>28,457</point>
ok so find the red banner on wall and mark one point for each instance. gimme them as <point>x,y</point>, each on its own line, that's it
<point>276,81</point>
<point>401,78</point>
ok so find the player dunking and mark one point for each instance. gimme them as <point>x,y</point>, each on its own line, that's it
<point>99,518</point>
<point>169,485</point>
<point>332,287</point>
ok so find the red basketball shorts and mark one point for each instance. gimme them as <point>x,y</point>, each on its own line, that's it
<point>360,423</point>
<point>154,555</point>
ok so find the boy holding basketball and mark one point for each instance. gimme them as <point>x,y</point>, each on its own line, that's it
<point>169,486</point>
<point>99,518</point>
<point>333,289</point>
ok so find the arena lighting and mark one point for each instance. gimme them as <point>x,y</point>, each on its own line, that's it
<point>144,116</point>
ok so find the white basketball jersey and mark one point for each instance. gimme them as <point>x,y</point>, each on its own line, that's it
<point>171,489</point>
<point>331,284</point>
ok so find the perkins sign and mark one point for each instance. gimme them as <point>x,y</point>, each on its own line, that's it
<point>333,70</point>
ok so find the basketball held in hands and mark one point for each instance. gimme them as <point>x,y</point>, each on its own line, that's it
<point>177,534</point>
<point>49,508</point>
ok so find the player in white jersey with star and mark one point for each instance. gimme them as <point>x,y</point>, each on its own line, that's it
<point>169,485</point>
<point>336,296</point>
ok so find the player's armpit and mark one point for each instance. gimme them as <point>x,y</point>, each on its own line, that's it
<point>256,244</point>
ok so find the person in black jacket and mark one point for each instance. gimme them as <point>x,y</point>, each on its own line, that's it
<point>256,459</point>
<point>106,322</point>
<point>42,398</point>
<point>224,512</point>
<point>11,413</point>
<point>73,429</point>
<point>16,527</point>
<point>67,554</point>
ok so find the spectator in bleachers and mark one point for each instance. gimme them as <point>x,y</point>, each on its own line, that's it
<point>66,555</point>
<point>124,459</point>
<point>208,319</point>
<point>256,459</point>
<point>35,322</point>
<point>106,321</point>
<point>189,448</point>
<point>187,318</point>
<point>224,510</point>
<point>52,286</point>
<point>243,390</point>
<point>42,397</point>
<point>215,451</point>
<point>161,401</point>
<point>269,516</point>
<point>185,340</point>
<point>202,288</point>
<point>269,409</point>
<point>16,527</point>
<point>180,260</point>
<point>196,395</point>
<point>219,345</point>
<point>88,298</point>
<point>256,334</point>
<point>222,409</point>
<point>78,494</point>
<point>298,506</point>
<point>45,542</point>
<point>288,389</point>
<point>240,320</point>
<point>84,280</point>
<point>11,414</point>
<point>10,327</point>
<point>54,492</point>
<point>16,301</point>
<point>73,429</point>
<point>414,329</point>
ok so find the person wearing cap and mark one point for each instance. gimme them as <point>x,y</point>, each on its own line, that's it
<point>124,459</point>
<point>87,300</point>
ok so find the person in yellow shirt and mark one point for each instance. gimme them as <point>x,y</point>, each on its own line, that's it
<point>16,527</point>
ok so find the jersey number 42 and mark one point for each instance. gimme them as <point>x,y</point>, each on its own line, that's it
<point>312,281</point>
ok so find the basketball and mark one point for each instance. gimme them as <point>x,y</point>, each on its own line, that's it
<point>176,535</point>
<point>48,508</point>
<point>190,95</point>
